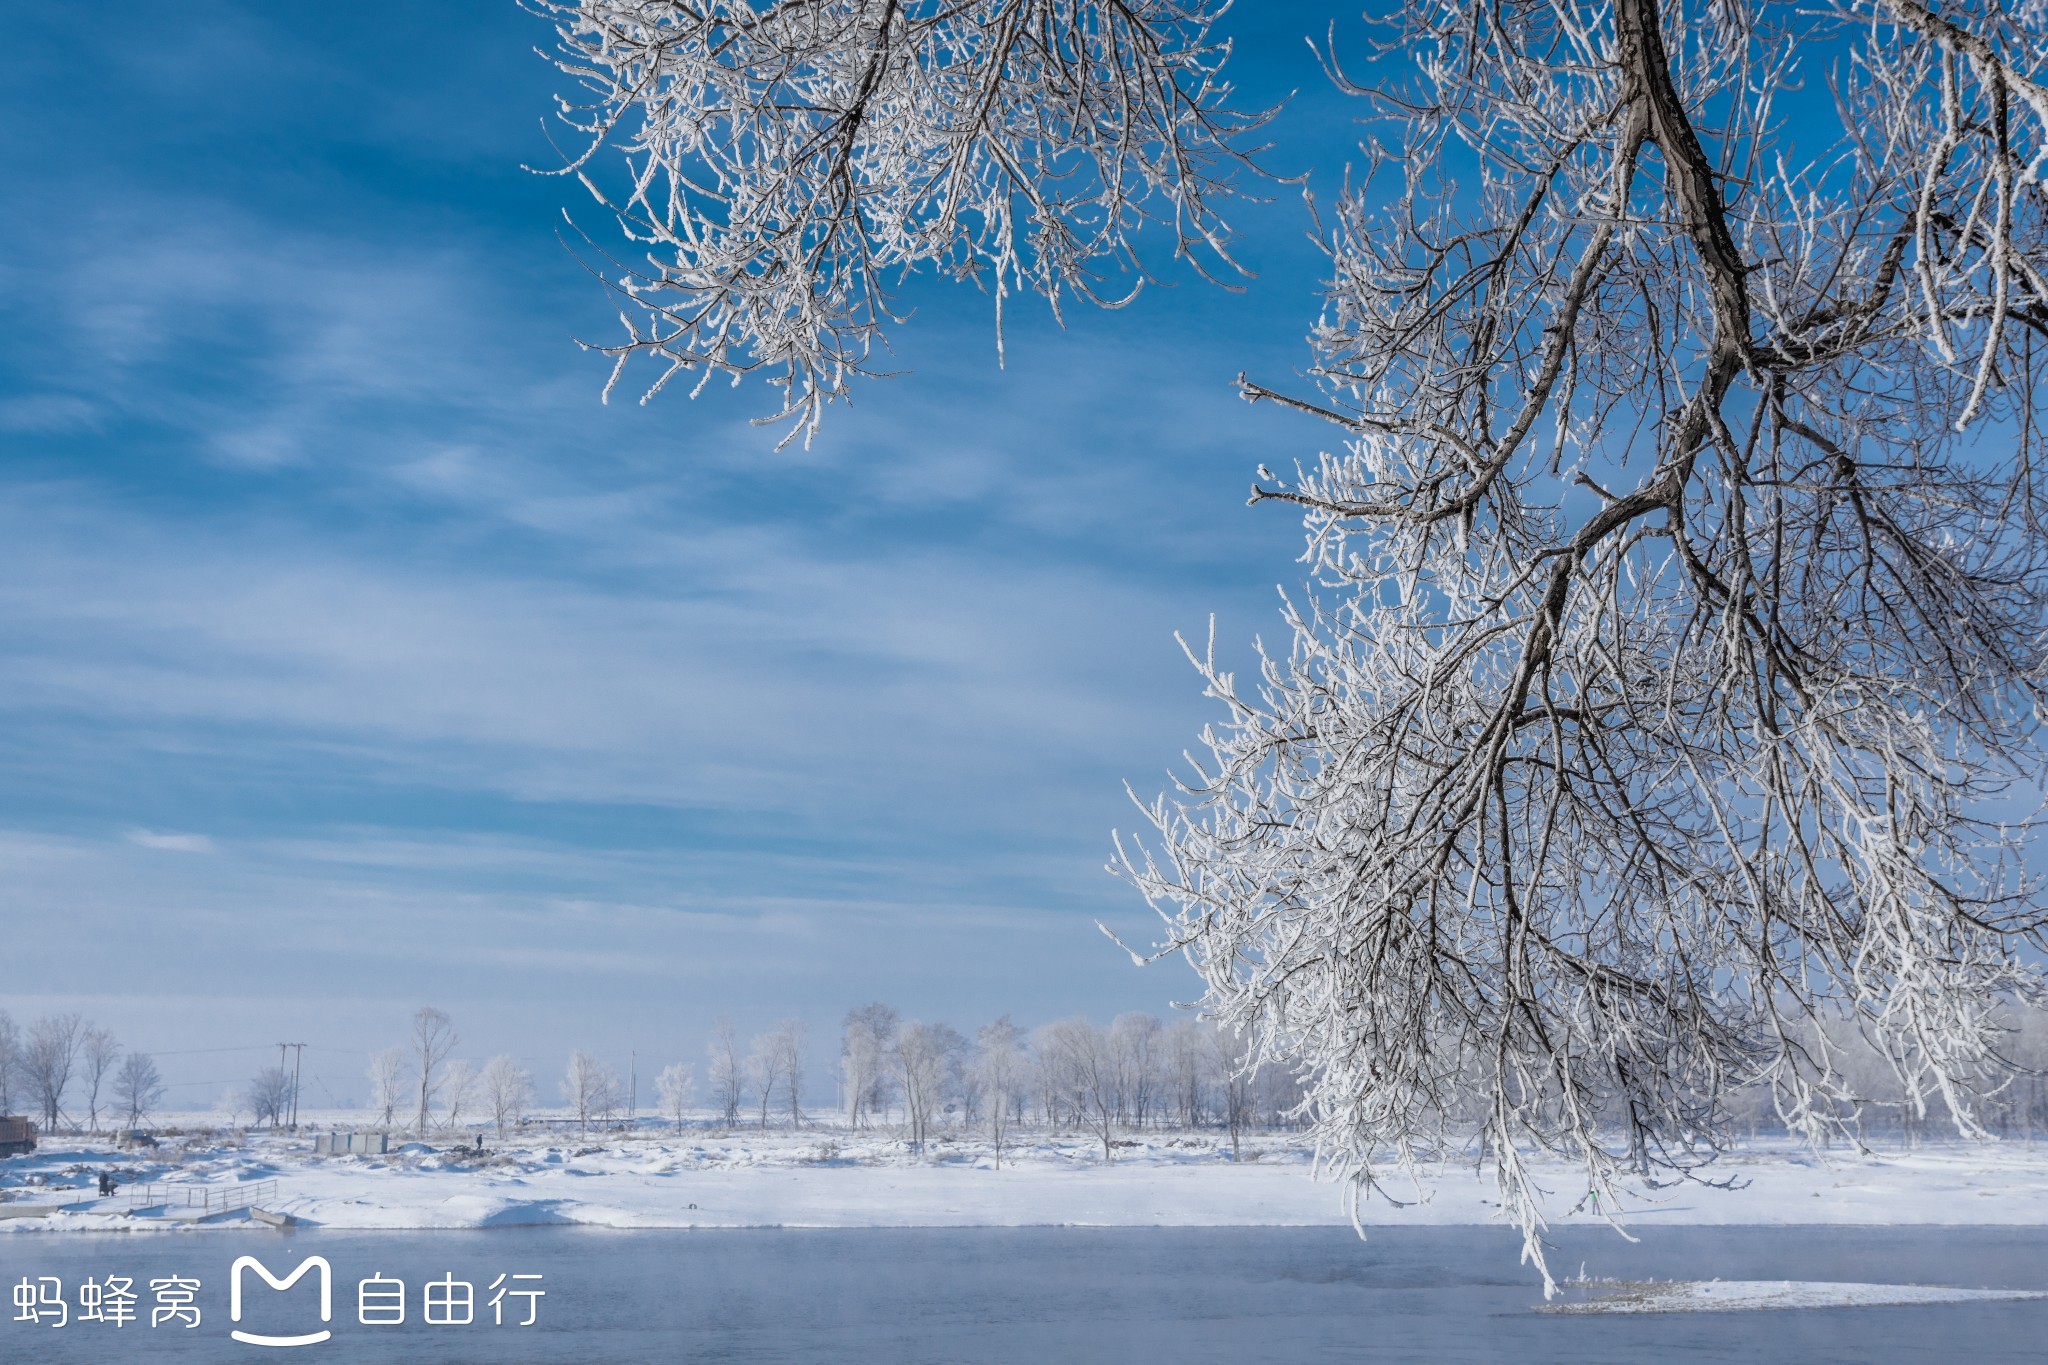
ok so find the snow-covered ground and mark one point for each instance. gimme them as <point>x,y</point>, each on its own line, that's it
<point>830,1178</point>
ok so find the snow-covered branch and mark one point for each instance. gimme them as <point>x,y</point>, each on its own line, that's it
<point>789,162</point>
<point>1674,664</point>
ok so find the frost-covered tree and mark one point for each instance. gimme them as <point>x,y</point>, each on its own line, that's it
<point>1233,1065</point>
<point>433,1038</point>
<point>2030,1091</point>
<point>387,1084</point>
<point>672,1088</point>
<point>788,1042</point>
<point>507,1090</point>
<point>459,1081</point>
<point>1078,1072</point>
<point>1186,1068</point>
<point>97,1050</point>
<point>999,1071</point>
<point>728,1071</point>
<point>1134,1046</point>
<point>138,1088</point>
<point>47,1060</point>
<point>866,1047</point>
<point>611,1097</point>
<point>955,1093</point>
<point>1674,662</point>
<point>1672,665</point>
<point>921,1073</point>
<point>269,1096</point>
<point>766,1057</point>
<point>585,1087</point>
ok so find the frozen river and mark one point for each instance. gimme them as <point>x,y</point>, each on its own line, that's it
<point>1032,1296</point>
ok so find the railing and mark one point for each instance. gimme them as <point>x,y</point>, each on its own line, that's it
<point>208,1199</point>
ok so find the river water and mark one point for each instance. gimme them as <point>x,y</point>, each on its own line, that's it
<point>1033,1296</point>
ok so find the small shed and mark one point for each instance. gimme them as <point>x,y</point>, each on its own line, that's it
<point>351,1144</point>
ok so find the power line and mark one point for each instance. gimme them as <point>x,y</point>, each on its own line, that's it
<point>320,1081</point>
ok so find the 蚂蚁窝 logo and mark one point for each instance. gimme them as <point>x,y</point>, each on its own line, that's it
<point>326,1299</point>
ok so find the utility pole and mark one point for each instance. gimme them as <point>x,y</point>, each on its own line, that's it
<point>633,1093</point>
<point>298,1058</point>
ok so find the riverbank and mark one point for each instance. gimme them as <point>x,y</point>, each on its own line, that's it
<point>837,1180</point>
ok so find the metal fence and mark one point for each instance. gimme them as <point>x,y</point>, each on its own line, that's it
<point>208,1199</point>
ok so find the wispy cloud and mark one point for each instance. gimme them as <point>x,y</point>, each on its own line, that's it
<point>743,673</point>
<point>43,413</point>
<point>170,843</point>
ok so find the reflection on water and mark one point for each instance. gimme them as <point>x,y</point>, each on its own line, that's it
<point>1034,1296</point>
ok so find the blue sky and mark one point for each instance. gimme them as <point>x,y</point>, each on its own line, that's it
<point>357,658</point>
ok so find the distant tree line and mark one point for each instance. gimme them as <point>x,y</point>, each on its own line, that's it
<point>1139,1074</point>
<point>1071,1075</point>
<point>927,1080</point>
<point>1894,1094</point>
<point>420,1077</point>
